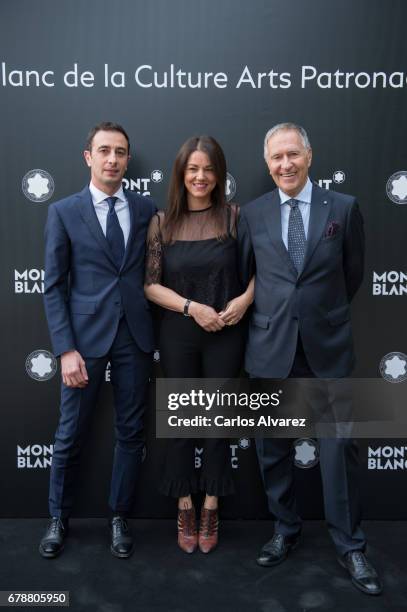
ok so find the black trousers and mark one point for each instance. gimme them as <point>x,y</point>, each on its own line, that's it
<point>130,370</point>
<point>188,351</point>
<point>339,470</point>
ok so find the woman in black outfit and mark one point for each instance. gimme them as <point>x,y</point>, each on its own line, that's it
<point>192,273</point>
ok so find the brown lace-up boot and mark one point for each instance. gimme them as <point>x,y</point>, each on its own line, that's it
<point>187,532</point>
<point>208,529</point>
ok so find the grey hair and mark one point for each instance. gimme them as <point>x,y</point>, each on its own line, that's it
<point>286,126</point>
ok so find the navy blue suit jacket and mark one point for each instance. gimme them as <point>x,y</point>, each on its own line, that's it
<point>315,302</point>
<point>84,290</point>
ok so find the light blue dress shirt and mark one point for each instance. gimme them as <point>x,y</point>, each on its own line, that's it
<point>102,208</point>
<point>304,205</point>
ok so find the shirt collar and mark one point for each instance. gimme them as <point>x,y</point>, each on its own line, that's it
<point>99,196</point>
<point>304,195</point>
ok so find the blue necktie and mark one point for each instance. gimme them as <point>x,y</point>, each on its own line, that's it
<point>114,233</point>
<point>296,235</point>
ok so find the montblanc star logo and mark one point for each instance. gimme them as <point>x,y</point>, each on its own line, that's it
<point>41,365</point>
<point>339,177</point>
<point>157,176</point>
<point>306,453</point>
<point>38,185</point>
<point>244,443</point>
<point>399,188</point>
<point>230,187</point>
<point>396,187</point>
<point>393,367</point>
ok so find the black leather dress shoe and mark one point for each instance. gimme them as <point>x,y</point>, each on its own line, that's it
<point>276,550</point>
<point>52,543</point>
<point>364,576</point>
<point>122,541</point>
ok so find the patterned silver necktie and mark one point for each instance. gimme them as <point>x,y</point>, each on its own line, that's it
<point>296,235</point>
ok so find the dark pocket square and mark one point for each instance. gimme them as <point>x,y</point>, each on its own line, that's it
<point>332,229</point>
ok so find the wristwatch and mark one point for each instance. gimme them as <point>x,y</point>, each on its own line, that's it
<point>186,307</point>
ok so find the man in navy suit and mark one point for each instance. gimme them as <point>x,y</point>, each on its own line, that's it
<point>96,312</point>
<point>308,247</point>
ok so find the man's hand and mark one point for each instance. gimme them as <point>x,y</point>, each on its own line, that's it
<point>73,370</point>
<point>235,310</point>
<point>206,317</point>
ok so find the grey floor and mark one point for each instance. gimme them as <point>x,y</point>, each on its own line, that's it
<point>161,577</point>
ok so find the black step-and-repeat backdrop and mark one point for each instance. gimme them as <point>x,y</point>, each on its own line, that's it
<point>166,71</point>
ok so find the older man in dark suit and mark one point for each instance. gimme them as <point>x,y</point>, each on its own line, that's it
<point>308,247</point>
<point>96,312</point>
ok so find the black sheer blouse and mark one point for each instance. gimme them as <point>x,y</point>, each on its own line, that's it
<point>196,264</point>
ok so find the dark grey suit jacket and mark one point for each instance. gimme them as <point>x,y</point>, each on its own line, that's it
<point>314,302</point>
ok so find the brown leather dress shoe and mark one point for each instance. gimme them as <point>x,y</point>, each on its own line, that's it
<point>208,530</point>
<point>187,532</point>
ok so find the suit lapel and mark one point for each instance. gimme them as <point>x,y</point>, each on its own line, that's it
<point>88,214</point>
<point>272,219</point>
<point>134,216</point>
<point>320,207</point>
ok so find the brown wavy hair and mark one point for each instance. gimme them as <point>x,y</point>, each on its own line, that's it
<point>177,192</point>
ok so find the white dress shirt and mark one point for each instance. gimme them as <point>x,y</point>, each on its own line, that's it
<point>102,208</point>
<point>304,206</point>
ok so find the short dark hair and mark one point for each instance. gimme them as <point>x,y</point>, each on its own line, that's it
<point>106,126</point>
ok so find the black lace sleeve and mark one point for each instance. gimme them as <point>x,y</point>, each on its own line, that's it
<point>154,252</point>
